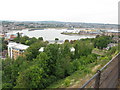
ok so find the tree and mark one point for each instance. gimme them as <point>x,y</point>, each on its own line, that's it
<point>43,61</point>
<point>56,40</point>
<point>33,50</point>
<point>37,75</point>
<point>52,51</point>
<point>6,73</point>
<point>24,39</point>
<point>31,41</point>
<point>82,48</point>
<point>7,85</point>
<point>3,44</point>
<point>40,38</point>
<point>17,39</point>
<point>16,68</point>
<point>33,77</point>
<point>101,42</point>
<point>66,40</point>
<point>97,36</point>
<point>66,49</point>
<point>63,67</point>
<point>76,51</point>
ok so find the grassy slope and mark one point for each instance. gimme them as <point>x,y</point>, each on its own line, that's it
<point>78,78</point>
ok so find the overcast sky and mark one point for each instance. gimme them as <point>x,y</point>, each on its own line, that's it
<point>92,11</point>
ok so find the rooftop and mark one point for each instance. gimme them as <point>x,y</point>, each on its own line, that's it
<point>17,45</point>
<point>41,49</point>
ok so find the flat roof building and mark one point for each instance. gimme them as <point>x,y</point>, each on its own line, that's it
<point>16,49</point>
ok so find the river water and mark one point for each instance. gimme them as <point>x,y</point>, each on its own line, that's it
<point>51,34</point>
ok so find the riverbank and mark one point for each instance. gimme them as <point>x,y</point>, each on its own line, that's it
<point>78,34</point>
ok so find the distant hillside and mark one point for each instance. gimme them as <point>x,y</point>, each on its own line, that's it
<point>55,24</point>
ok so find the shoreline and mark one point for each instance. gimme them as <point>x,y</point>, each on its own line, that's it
<point>75,34</point>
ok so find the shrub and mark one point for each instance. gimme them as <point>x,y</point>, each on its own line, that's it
<point>67,82</point>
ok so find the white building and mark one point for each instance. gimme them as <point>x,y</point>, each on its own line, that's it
<point>72,49</point>
<point>16,49</point>
<point>41,49</point>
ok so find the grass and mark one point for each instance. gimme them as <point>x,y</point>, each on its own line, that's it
<point>98,51</point>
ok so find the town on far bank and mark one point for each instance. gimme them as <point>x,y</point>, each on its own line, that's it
<point>72,28</point>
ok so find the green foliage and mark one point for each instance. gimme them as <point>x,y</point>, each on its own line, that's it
<point>113,50</point>
<point>40,69</point>
<point>24,39</point>
<point>18,38</point>
<point>63,67</point>
<point>40,38</point>
<point>56,39</point>
<point>102,41</point>
<point>31,41</point>
<point>7,85</point>
<point>36,76</point>
<point>33,77</point>
<point>65,49</point>
<point>76,64</point>
<point>52,51</point>
<point>76,51</point>
<point>3,44</point>
<point>32,52</point>
<point>87,70</point>
<point>82,48</point>
<point>43,61</point>
<point>7,67</point>
<point>67,82</point>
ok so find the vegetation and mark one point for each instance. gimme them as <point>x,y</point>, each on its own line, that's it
<point>56,39</point>
<point>102,42</point>
<point>3,44</point>
<point>56,64</point>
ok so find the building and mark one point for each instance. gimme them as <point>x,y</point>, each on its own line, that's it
<point>12,37</point>
<point>41,49</point>
<point>116,38</point>
<point>2,35</point>
<point>110,45</point>
<point>72,49</point>
<point>16,49</point>
<point>112,32</point>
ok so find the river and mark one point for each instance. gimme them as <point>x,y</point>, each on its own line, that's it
<point>51,34</point>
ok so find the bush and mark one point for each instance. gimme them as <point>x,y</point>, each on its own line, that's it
<point>7,85</point>
<point>67,82</point>
<point>87,70</point>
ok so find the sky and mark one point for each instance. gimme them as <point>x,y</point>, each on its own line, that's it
<point>89,11</point>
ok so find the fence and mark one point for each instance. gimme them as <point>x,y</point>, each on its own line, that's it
<point>107,77</point>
